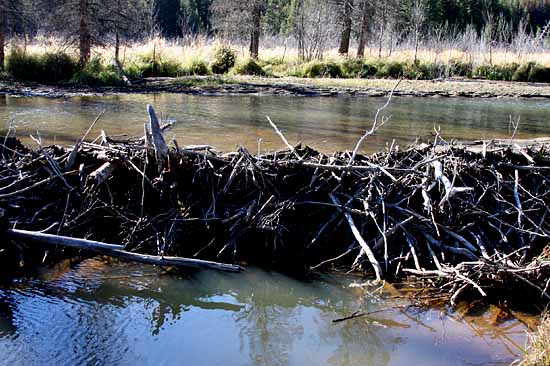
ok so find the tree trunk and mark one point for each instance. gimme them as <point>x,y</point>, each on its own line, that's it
<point>84,35</point>
<point>364,30</point>
<point>117,47</point>
<point>346,32</point>
<point>255,32</point>
<point>2,35</point>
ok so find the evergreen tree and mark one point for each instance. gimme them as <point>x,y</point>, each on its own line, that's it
<point>167,17</point>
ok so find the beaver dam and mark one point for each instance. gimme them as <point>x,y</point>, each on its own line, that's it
<point>465,220</point>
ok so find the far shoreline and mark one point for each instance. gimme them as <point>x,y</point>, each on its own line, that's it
<point>290,86</point>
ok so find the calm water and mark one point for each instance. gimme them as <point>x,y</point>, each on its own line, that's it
<point>325,123</point>
<point>94,313</point>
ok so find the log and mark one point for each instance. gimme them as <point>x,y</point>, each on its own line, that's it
<point>99,176</point>
<point>61,240</point>
<point>161,149</point>
<point>117,251</point>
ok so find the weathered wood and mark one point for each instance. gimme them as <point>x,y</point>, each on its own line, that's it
<point>118,251</point>
<point>100,175</point>
<point>61,240</point>
<point>161,149</point>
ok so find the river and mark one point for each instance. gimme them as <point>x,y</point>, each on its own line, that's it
<point>327,124</point>
<point>94,312</point>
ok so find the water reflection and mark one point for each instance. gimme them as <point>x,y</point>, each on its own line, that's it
<point>96,313</point>
<point>326,123</point>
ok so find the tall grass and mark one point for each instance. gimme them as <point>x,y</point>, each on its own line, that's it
<point>158,57</point>
<point>538,350</point>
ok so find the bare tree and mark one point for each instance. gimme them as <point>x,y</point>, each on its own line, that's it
<point>239,19</point>
<point>418,18</point>
<point>313,25</point>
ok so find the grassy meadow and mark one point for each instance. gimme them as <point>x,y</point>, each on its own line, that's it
<point>50,61</point>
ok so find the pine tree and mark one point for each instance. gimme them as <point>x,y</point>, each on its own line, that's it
<point>167,16</point>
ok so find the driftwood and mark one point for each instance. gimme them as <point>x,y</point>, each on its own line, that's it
<point>118,251</point>
<point>466,219</point>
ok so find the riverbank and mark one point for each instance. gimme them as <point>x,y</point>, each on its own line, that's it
<point>316,87</point>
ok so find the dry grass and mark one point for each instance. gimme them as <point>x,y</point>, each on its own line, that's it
<point>538,350</point>
<point>185,52</point>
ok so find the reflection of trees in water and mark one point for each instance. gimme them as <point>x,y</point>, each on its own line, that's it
<point>272,312</point>
<point>280,320</point>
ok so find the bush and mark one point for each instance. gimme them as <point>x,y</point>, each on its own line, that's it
<point>539,74</point>
<point>198,67</point>
<point>46,68</point>
<point>58,66</point>
<point>250,67</point>
<point>316,69</point>
<point>496,72</point>
<point>224,60</point>
<point>522,72</point>
<point>460,68</point>
<point>368,70</point>
<point>391,69</point>
<point>423,71</point>
<point>95,73</point>
<point>147,66</point>
<point>351,68</point>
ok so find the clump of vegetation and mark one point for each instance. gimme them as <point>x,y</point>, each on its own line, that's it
<point>423,71</point>
<point>95,74</point>
<point>224,60</point>
<point>198,67</point>
<point>250,67</point>
<point>539,73</point>
<point>158,67</point>
<point>317,69</point>
<point>460,68</point>
<point>392,69</point>
<point>496,72</point>
<point>46,68</point>
<point>352,68</point>
<point>368,70</point>
<point>538,351</point>
<point>532,72</point>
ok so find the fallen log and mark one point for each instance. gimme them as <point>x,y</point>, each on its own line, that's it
<point>118,251</point>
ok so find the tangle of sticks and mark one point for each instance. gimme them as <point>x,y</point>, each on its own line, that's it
<point>465,219</point>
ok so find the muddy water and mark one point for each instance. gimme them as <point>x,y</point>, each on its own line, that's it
<point>325,123</point>
<point>96,313</point>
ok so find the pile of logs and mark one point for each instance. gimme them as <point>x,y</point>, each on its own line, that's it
<point>466,219</point>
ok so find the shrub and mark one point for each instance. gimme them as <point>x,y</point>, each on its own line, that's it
<point>392,69</point>
<point>316,69</point>
<point>522,72</point>
<point>496,72</point>
<point>95,73</point>
<point>58,67</point>
<point>368,70</point>
<point>250,67</point>
<point>352,68</point>
<point>459,68</point>
<point>198,67</point>
<point>47,68</point>
<point>539,74</point>
<point>423,71</point>
<point>21,65</point>
<point>224,60</point>
<point>157,67</point>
